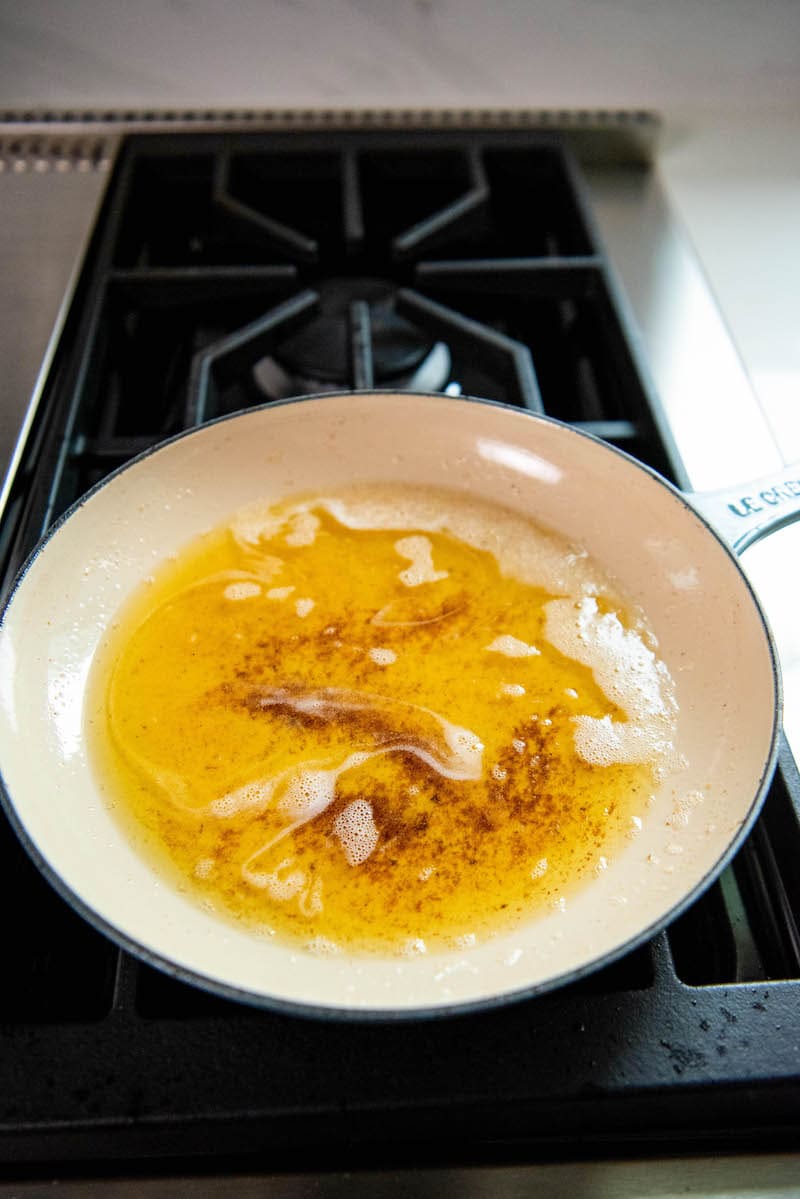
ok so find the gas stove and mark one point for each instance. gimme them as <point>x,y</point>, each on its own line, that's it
<point>234,264</point>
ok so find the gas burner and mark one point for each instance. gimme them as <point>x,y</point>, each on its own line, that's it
<point>356,318</point>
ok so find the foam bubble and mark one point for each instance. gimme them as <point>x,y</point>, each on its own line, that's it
<point>253,524</point>
<point>682,809</point>
<point>512,647</point>
<point>357,832</point>
<point>540,869</point>
<point>203,867</point>
<point>279,593</point>
<point>283,883</point>
<point>466,746</point>
<point>419,552</point>
<point>242,591</point>
<point>515,689</point>
<point>601,741</point>
<point>627,671</point>
<point>498,773</point>
<point>303,606</point>
<point>382,657</point>
<point>256,794</point>
<point>303,526</point>
<point>322,947</point>
<point>630,676</point>
<point>308,793</point>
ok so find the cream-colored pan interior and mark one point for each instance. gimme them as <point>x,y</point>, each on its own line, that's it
<point>710,630</point>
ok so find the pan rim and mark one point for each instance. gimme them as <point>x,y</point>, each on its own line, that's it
<point>447,1008</point>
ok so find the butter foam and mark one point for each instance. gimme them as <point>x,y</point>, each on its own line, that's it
<point>629,674</point>
<point>357,832</point>
<point>419,552</point>
<point>512,647</point>
<point>521,549</point>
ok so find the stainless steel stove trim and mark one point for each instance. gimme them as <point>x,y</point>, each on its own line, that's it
<point>43,150</point>
<point>50,192</point>
<point>596,135</point>
<point>747,1176</point>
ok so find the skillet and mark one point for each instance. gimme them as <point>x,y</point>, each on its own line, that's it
<point>651,539</point>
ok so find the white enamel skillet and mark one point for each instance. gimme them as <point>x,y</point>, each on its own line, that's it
<point>648,536</point>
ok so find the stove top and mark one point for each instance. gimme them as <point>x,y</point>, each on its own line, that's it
<point>230,269</point>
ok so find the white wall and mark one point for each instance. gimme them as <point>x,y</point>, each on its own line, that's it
<point>682,57</point>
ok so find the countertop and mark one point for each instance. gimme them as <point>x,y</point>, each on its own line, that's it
<point>736,185</point>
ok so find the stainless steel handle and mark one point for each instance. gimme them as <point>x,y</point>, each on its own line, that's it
<point>747,512</point>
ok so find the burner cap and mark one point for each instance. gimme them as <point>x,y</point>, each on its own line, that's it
<point>321,349</point>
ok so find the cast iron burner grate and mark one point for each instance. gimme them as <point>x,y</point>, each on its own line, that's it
<point>226,270</point>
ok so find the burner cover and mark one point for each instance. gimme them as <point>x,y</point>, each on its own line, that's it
<point>321,349</point>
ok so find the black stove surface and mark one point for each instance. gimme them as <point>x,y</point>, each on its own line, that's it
<point>227,271</point>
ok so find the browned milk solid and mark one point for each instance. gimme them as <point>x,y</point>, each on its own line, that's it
<point>385,720</point>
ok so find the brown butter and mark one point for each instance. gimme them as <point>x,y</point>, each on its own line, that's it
<point>178,721</point>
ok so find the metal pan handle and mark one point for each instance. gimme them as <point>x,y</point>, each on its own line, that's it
<point>747,512</point>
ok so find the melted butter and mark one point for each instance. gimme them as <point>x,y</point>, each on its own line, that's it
<point>327,742</point>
